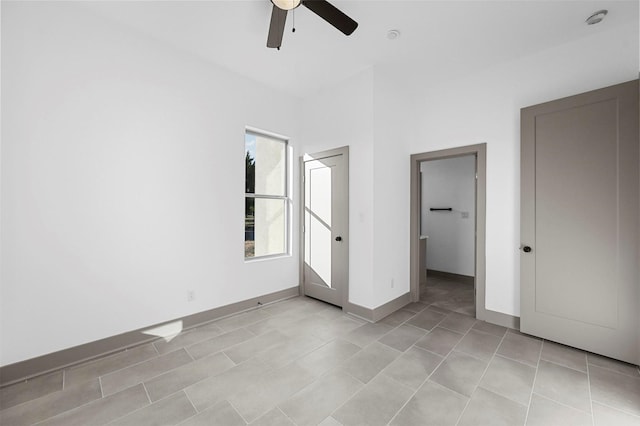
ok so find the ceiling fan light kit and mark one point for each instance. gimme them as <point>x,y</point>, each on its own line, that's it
<point>286,4</point>
<point>322,8</point>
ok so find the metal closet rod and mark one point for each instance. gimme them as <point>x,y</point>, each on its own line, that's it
<point>437,209</point>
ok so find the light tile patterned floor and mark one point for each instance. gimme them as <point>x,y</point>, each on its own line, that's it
<point>302,362</point>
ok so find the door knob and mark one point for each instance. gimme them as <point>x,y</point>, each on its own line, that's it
<point>526,249</point>
<point>338,238</point>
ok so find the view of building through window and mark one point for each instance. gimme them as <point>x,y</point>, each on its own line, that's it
<point>265,225</point>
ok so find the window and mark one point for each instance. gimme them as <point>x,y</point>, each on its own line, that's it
<point>266,198</point>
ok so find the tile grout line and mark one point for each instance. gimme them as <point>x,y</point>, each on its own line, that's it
<point>399,383</point>
<point>486,332</point>
<point>228,347</point>
<point>563,365</point>
<point>29,401</point>
<point>612,370</point>
<point>471,355</point>
<point>192,404</point>
<point>147,393</point>
<point>350,397</point>
<point>496,354</point>
<point>483,373</point>
<point>560,403</point>
<point>413,392</point>
<point>185,333</point>
<point>309,351</point>
<point>148,379</point>
<point>315,380</point>
<point>73,408</point>
<point>533,385</point>
<point>524,363</point>
<point>593,417</point>
<point>56,391</point>
<point>235,409</point>
<point>455,331</point>
<point>191,356</point>
<point>277,407</point>
<point>78,366</point>
<point>619,409</point>
<point>248,330</point>
<point>267,369</point>
<point>145,406</point>
<point>431,352</point>
<point>229,358</point>
<point>157,355</point>
<point>425,331</point>
<point>374,339</point>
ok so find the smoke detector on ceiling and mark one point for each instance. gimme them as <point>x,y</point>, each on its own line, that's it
<point>393,34</point>
<point>596,17</point>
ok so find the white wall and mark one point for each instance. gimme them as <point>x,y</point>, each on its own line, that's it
<point>336,117</point>
<point>122,181</point>
<point>449,182</point>
<point>365,112</point>
<point>394,128</point>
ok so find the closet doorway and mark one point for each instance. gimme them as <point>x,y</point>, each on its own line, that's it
<point>448,228</point>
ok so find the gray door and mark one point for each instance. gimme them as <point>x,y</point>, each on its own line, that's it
<point>325,226</point>
<point>579,221</point>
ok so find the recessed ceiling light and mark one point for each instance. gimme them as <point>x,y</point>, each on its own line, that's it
<point>393,34</point>
<point>596,17</point>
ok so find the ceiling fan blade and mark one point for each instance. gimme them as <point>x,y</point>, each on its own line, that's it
<point>332,15</point>
<point>276,28</point>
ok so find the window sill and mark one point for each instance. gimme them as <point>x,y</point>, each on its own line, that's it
<point>265,258</point>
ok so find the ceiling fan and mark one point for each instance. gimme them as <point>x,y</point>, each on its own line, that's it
<point>322,8</point>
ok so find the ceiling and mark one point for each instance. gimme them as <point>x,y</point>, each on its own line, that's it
<point>438,38</point>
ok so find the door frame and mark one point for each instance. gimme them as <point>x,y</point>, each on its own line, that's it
<point>480,152</point>
<point>344,151</point>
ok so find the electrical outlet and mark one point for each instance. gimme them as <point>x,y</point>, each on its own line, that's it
<point>191,296</point>
<point>393,284</point>
<point>465,215</point>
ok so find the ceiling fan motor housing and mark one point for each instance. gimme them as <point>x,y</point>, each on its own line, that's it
<point>322,8</point>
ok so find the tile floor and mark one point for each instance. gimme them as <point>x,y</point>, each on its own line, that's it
<point>302,362</point>
<point>449,292</point>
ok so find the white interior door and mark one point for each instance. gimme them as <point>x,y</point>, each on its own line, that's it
<point>325,227</point>
<point>580,221</point>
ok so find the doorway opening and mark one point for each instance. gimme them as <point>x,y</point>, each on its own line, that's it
<point>448,199</point>
<point>447,233</point>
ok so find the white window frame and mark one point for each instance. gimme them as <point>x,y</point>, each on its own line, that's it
<point>286,197</point>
